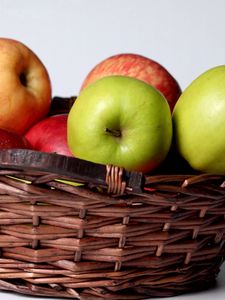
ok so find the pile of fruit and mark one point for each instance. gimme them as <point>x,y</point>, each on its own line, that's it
<point>130,112</point>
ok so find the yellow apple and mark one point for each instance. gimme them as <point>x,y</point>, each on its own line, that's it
<point>25,87</point>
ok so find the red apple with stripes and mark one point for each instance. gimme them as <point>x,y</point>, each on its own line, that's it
<point>139,67</point>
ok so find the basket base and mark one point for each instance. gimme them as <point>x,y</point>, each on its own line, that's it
<point>147,287</point>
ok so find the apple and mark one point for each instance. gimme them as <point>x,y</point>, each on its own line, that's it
<point>121,121</point>
<point>50,135</point>
<point>199,122</point>
<point>10,140</point>
<point>140,67</point>
<point>25,89</point>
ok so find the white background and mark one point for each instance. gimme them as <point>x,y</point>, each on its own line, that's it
<point>72,36</point>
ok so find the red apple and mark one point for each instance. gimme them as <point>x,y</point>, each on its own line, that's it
<point>140,67</point>
<point>9,140</point>
<point>50,135</point>
<point>25,89</point>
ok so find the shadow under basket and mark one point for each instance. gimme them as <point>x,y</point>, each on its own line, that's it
<point>70,232</point>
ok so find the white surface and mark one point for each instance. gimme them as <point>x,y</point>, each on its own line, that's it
<point>71,36</point>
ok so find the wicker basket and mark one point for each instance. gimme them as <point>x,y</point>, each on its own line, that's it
<point>59,239</point>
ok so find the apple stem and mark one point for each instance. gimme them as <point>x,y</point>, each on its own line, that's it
<point>114,132</point>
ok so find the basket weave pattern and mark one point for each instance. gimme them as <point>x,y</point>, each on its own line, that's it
<point>60,240</point>
<point>66,241</point>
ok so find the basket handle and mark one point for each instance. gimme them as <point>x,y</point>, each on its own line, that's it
<point>61,105</point>
<point>117,180</point>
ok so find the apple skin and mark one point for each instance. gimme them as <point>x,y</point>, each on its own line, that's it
<point>140,67</point>
<point>12,140</point>
<point>50,135</point>
<point>121,121</point>
<point>25,89</point>
<point>199,122</point>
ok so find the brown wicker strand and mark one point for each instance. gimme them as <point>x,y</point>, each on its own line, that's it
<point>114,180</point>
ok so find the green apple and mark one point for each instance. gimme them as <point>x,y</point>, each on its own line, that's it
<point>121,121</point>
<point>199,122</point>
